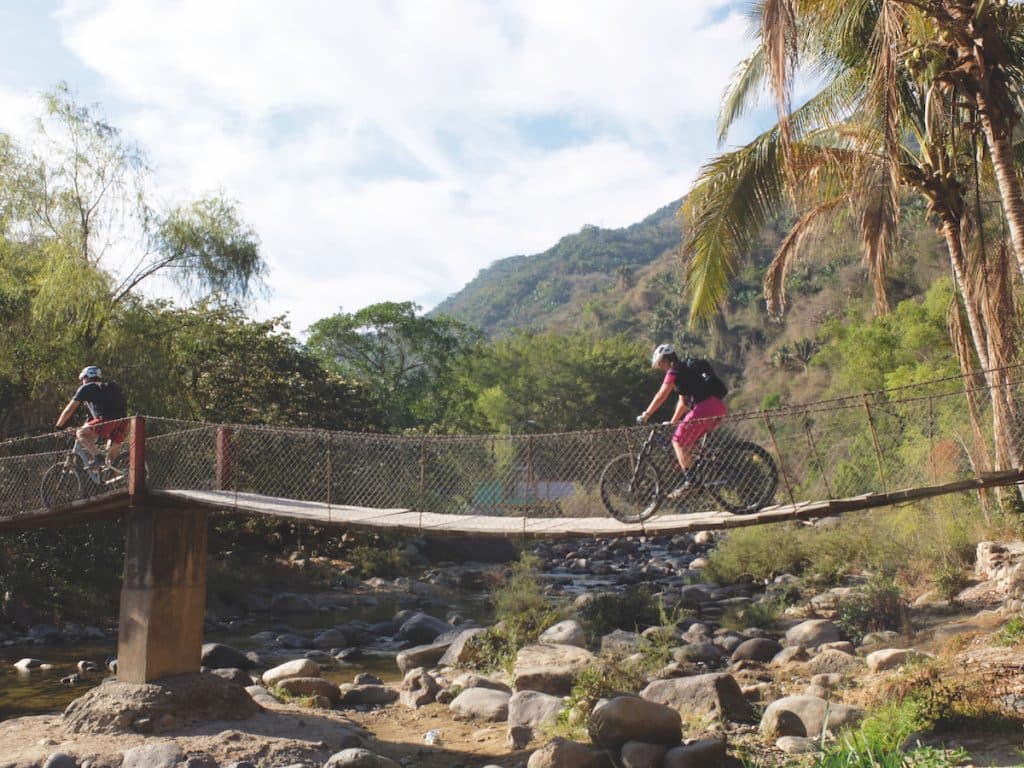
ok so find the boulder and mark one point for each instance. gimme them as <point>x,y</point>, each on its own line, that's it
<point>890,658</point>
<point>703,753</point>
<point>549,668</point>
<point>356,757</point>
<point>166,754</point>
<point>639,754</point>
<point>220,656</point>
<point>418,689</point>
<point>761,649</point>
<point>620,642</point>
<point>715,693</point>
<point>366,695</point>
<point>628,718</point>
<point>420,656</point>
<point>812,633</point>
<point>560,753</point>
<point>457,653</point>
<point>568,632</point>
<point>833,661</point>
<point>330,638</point>
<point>293,668</point>
<point>421,629</point>
<point>529,711</point>
<point>806,716</point>
<point>311,686</point>
<point>286,602</point>
<point>481,704</point>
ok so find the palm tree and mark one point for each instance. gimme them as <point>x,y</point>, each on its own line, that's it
<point>875,126</point>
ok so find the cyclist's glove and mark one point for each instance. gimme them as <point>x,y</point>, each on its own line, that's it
<point>641,419</point>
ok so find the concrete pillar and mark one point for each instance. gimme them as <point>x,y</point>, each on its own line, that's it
<point>163,598</point>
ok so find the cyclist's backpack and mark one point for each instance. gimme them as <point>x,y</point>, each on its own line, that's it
<point>710,385</point>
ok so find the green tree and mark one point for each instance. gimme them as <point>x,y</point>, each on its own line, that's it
<point>404,359</point>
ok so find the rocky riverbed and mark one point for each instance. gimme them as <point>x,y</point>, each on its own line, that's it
<point>398,691</point>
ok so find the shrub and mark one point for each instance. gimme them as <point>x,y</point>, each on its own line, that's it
<point>607,678</point>
<point>633,610</point>
<point>522,613</point>
<point>386,562</point>
<point>879,606</point>
<point>1012,632</point>
<point>949,580</point>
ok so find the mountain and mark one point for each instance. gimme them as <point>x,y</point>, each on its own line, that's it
<point>547,289</point>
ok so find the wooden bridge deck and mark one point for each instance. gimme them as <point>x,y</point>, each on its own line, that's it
<point>512,527</point>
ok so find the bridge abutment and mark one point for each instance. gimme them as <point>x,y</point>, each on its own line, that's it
<point>163,598</point>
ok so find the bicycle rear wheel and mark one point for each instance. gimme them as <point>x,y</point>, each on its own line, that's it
<point>60,485</point>
<point>744,478</point>
<point>630,497</point>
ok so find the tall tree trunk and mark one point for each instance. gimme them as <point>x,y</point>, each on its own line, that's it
<point>997,137</point>
<point>958,260</point>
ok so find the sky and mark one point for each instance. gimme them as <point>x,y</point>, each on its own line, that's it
<point>388,150</point>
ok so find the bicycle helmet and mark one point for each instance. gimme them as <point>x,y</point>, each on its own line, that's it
<point>90,372</point>
<point>661,351</point>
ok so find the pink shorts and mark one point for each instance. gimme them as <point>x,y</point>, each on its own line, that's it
<point>702,418</point>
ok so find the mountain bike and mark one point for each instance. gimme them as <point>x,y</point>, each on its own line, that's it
<point>739,475</point>
<point>68,480</point>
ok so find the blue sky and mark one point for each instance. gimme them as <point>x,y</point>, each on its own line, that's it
<point>391,150</point>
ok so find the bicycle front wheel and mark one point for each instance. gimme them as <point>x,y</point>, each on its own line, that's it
<point>60,485</point>
<point>630,497</point>
<point>745,478</point>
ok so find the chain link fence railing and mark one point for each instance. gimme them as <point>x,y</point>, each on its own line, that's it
<point>918,436</point>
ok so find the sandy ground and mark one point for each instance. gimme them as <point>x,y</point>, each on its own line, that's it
<point>279,736</point>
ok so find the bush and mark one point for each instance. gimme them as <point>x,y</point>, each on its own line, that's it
<point>386,562</point>
<point>879,606</point>
<point>1012,632</point>
<point>607,678</point>
<point>522,613</point>
<point>634,610</point>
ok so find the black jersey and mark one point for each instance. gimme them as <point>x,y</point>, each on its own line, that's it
<point>104,399</point>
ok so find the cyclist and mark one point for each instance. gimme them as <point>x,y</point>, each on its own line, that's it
<point>703,411</point>
<point>107,408</point>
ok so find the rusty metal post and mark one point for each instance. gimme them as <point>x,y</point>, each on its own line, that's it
<point>817,457</point>
<point>223,481</point>
<point>137,459</point>
<point>778,455</point>
<point>878,446</point>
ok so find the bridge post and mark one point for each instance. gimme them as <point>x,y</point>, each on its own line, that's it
<point>163,597</point>
<point>223,458</point>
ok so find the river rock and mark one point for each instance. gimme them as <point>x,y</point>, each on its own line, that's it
<point>359,758</point>
<point>366,695</point>
<point>330,638</point>
<point>293,668</point>
<point>805,716</point>
<point>529,711</point>
<point>220,656</point>
<point>481,704</point>
<point>421,656</point>
<point>549,668</point>
<point>890,658</point>
<point>812,633</point>
<point>419,688</point>
<point>60,760</point>
<point>620,642</point>
<point>164,755</point>
<point>761,649</point>
<point>457,651</point>
<point>638,754</point>
<point>833,661</point>
<point>26,664</point>
<point>311,686</point>
<point>714,693</point>
<point>560,753</point>
<point>703,753</point>
<point>568,632</point>
<point>421,629</point>
<point>628,718</point>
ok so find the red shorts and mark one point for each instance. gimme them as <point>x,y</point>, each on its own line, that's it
<point>114,431</point>
<point>701,418</point>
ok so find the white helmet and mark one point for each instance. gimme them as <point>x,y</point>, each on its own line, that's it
<point>90,372</point>
<point>661,351</point>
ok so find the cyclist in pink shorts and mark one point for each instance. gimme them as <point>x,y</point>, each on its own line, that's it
<point>698,410</point>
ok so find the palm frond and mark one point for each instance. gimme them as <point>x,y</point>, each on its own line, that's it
<point>740,93</point>
<point>789,252</point>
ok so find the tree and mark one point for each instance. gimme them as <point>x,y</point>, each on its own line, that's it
<point>403,358</point>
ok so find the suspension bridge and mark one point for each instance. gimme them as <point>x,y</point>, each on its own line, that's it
<point>888,447</point>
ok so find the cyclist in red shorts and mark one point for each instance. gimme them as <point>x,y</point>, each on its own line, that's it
<point>107,407</point>
<point>703,411</point>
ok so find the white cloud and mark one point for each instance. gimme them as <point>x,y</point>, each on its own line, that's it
<point>385,151</point>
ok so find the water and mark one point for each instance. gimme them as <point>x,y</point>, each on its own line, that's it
<point>39,692</point>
